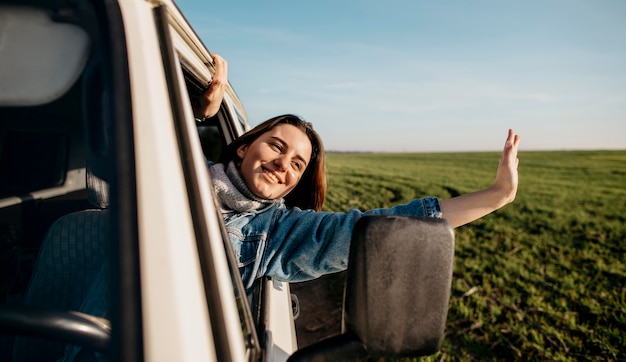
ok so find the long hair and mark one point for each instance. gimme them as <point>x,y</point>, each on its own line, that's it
<point>310,191</point>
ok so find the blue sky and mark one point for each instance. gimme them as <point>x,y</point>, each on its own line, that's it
<point>421,76</point>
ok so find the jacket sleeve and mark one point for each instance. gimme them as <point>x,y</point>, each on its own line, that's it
<point>304,244</point>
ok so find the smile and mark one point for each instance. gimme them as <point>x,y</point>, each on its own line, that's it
<point>271,175</point>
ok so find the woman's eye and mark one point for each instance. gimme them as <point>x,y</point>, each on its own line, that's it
<point>276,146</point>
<point>297,166</point>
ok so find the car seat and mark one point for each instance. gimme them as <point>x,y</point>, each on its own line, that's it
<point>71,259</point>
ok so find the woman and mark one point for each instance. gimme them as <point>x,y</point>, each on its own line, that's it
<point>271,185</point>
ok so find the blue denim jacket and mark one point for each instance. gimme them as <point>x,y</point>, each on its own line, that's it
<point>297,245</point>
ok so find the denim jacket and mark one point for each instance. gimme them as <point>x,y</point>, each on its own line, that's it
<point>297,245</point>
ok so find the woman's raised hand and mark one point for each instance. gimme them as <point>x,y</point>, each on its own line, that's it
<point>212,97</point>
<point>466,208</point>
<point>507,178</point>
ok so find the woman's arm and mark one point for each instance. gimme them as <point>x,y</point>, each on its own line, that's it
<point>212,98</point>
<point>466,208</point>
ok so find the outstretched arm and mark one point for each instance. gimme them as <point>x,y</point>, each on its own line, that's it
<point>212,97</point>
<point>466,208</point>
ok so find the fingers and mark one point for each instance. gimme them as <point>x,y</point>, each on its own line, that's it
<point>221,68</point>
<point>512,139</point>
<point>506,177</point>
<point>508,160</point>
<point>217,58</point>
<point>512,144</point>
<point>213,95</point>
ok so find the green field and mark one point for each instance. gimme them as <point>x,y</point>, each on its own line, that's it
<point>541,279</point>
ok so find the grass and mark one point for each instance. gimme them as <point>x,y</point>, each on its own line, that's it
<point>541,279</point>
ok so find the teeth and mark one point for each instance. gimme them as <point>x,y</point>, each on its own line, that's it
<point>271,175</point>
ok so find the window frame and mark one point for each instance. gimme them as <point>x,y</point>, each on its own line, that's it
<point>177,71</point>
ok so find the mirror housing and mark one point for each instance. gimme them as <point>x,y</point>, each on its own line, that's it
<point>397,291</point>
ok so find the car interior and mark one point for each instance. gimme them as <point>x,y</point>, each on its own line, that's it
<point>55,122</point>
<point>53,227</point>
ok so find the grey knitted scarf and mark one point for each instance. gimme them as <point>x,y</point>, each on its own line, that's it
<point>232,191</point>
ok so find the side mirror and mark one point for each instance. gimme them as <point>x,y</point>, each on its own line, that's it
<point>397,291</point>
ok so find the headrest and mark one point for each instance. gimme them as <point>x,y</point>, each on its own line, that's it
<point>97,190</point>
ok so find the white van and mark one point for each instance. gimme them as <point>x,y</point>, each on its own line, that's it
<point>103,181</point>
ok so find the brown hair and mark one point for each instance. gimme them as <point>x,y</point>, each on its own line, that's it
<point>311,189</point>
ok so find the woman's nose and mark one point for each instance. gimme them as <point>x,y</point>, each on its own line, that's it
<point>281,162</point>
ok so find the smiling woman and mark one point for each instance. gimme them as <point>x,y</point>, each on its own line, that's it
<point>291,151</point>
<point>271,165</point>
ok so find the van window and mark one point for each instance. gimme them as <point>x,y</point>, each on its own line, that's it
<point>211,139</point>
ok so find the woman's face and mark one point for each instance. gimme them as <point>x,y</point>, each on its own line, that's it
<point>273,164</point>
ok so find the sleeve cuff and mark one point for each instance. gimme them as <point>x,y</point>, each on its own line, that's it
<point>432,207</point>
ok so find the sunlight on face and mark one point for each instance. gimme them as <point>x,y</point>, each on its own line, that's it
<point>273,164</point>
